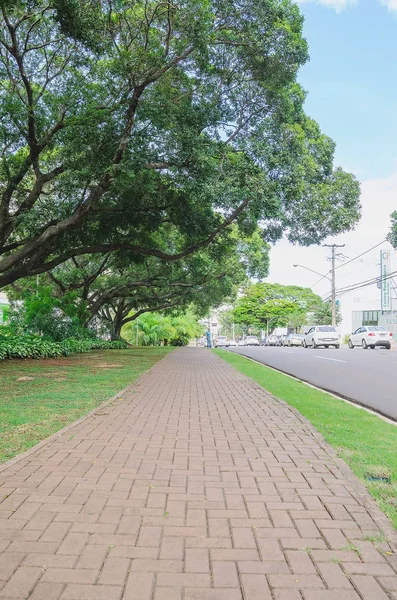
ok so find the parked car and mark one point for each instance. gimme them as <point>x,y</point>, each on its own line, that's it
<point>322,335</point>
<point>280,340</point>
<point>264,341</point>
<point>232,343</point>
<point>370,337</point>
<point>241,342</point>
<point>272,340</point>
<point>221,342</point>
<point>293,339</point>
<point>252,340</point>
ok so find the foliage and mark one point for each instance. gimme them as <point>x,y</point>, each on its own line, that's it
<point>151,127</point>
<point>44,314</point>
<point>108,292</point>
<point>185,328</point>
<point>323,314</point>
<point>297,320</point>
<point>273,305</point>
<point>155,329</point>
<point>31,346</point>
<point>392,237</point>
<point>228,325</point>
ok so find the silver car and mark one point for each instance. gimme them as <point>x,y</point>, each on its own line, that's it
<point>252,340</point>
<point>321,335</point>
<point>294,339</point>
<point>272,340</point>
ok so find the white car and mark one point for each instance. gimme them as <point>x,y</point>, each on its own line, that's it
<point>369,337</point>
<point>221,342</point>
<point>252,340</point>
<point>232,343</point>
<point>241,343</point>
<point>321,335</point>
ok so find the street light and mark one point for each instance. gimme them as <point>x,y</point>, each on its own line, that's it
<point>312,271</point>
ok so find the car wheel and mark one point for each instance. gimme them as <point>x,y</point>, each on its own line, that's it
<point>314,343</point>
<point>337,346</point>
<point>388,347</point>
<point>364,345</point>
<point>350,344</point>
<point>372,347</point>
<point>304,344</point>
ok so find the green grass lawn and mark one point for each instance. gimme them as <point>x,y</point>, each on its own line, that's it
<point>366,442</point>
<point>39,397</point>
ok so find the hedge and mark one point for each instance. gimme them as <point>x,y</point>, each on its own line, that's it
<point>31,346</point>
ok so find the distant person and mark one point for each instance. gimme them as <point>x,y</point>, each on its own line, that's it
<point>208,336</point>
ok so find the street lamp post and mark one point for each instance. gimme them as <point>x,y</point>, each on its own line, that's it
<point>312,271</point>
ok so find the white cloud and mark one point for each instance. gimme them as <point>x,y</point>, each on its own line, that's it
<point>391,5</point>
<point>339,5</point>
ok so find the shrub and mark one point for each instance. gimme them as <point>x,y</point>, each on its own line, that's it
<point>32,346</point>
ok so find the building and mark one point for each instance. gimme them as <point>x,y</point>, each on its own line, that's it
<point>386,319</point>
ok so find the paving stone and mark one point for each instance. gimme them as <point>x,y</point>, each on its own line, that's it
<point>198,485</point>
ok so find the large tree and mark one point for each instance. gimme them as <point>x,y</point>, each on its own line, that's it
<point>270,305</point>
<point>122,121</point>
<point>112,291</point>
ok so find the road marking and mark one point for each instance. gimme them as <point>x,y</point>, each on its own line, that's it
<point>334,359</point>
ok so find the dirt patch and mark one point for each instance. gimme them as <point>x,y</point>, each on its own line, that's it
<point>107,366</point>
<point>25,379</point>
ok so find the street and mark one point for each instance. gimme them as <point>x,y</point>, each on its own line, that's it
<point>368,377</point>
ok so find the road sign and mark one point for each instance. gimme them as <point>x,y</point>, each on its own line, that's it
<point>386,300</point>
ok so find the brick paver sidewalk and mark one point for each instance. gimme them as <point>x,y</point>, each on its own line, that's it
<point>197,485</point>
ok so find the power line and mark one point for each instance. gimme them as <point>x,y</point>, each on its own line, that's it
<point>323,277</point>
<point>351,260</point>
<point>361,284</point>
<point>360,255</point>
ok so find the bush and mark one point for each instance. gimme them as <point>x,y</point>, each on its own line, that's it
<point>32,346</point>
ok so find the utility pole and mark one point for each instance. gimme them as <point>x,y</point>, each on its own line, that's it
<point>333,286</point>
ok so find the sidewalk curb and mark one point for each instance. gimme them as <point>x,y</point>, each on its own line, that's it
<point>61,432</point>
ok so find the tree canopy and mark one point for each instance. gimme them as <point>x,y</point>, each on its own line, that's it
<point>273,305</point>
<point>109,291</point>
<point>154,329</point>
<point>146,129</point>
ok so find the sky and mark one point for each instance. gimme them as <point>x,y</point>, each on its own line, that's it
<point>352,93</point>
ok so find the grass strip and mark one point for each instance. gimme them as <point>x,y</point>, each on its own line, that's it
<point>39,397</point>
<point>366,442</point>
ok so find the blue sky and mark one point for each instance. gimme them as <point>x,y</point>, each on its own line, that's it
<point>352,82</point>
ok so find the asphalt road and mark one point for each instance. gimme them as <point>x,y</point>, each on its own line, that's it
<point>368,377</point>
